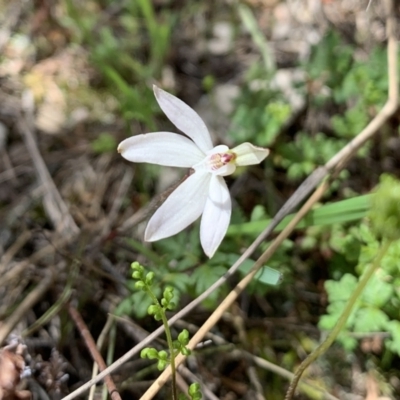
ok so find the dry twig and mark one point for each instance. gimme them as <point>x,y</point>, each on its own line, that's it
<point>33,297</point>
<point>91,345</point>
<point>52,200</point>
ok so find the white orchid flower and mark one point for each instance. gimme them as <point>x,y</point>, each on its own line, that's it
<point>202,193</point>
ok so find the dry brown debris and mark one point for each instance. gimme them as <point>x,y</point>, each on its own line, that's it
<point>12,367</point>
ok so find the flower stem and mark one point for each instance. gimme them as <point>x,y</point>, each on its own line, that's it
<point>171,355</point>
<point>170,344</point>
<point>324,346</point>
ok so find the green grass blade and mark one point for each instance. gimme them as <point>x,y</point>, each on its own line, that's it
<point>339,212</point>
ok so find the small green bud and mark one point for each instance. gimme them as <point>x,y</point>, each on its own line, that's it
<point>176,345</point>
<point>140,285</point>
<point>149,352</point>
<point>185,351</point>
<point>163,355</point>
<point>171,306</point>
<point>158,316</point>
<point>149,278</point>
<point>183,337</point>
<point>153,309</point>
<point>136,275</point>
<point>385,209</point>
<point>143,353</point>
<point>168,293</point>
<point>137,267</point>
<point>194,388</point>
<point>161,365</point>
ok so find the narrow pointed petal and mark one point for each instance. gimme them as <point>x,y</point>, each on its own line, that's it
<point>184,205</point>
<point>216,216</point>
<point>247,154</point>
<point>162,148</point>
<point>184,118</point>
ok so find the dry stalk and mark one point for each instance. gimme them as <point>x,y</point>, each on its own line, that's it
<point>94,352</point>
<point>33,297</point>
<point>99,344</point>
<point>53,203</point>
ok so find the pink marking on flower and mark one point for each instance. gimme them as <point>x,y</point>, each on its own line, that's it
<point>218,160</point>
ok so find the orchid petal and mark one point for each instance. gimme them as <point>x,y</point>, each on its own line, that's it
<point>162,148</point>
<point>216,216</point>
<point>221,148</point>
<point>184,205</point>
<point>247,154</point>
<point>184,118</point>
<point>225,170</point>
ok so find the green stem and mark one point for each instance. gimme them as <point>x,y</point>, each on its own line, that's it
<point>170,344</point>
<point>341,321</point>
<point>171,355</point>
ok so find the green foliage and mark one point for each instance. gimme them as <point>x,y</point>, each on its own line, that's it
<point>194,391</point>
<point>323,215</point>
<point>377,308</point>
<point>354,92</point>
<point>104,143</point>
<point>152,354</point>
<point>126,56</point>
<point>145,282</point>
<point>259,116</point>
<point>307,152</point>
<point>385,210</point>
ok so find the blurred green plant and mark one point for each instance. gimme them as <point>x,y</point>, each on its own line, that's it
<point>351,92</point>
<point>104,143</point>
<point>127,45</point>
<point>377,308</point>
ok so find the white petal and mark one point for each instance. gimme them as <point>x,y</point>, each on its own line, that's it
<point>163,148</point>
<point>184,205</point>
<point>184,118</point>
<point>225,170</point>
<point>216,216</point>
<point>247,154</point>
<point>221,148</point>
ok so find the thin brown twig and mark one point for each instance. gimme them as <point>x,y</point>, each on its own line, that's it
<point>13,249</point>
<point>99,344</point>
<point>53,202</point>
<point>33,259</point>
<point>239,324</point>
<point>32,298</point>
<point>91,345</point>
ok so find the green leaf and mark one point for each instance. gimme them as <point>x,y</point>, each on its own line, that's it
<point>370,319</point>
<point>341,290</point>
<point>104,143</point>
<point>205,275</point>
<point>394,343</point>
<point>377,292</point>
